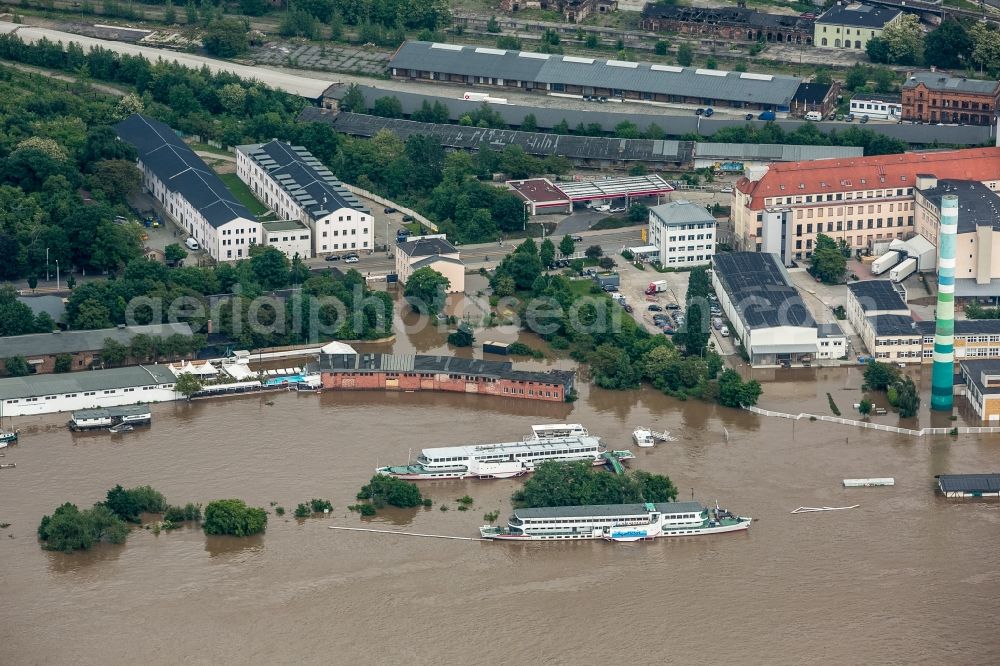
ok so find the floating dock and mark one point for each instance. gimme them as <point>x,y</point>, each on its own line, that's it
<point>869,483</point>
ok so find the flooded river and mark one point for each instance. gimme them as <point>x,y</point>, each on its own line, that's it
<point>906,578</point>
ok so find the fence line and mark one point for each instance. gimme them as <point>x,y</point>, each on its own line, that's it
<point>967,430</point>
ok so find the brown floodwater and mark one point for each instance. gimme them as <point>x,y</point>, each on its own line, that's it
<point>908,577</point>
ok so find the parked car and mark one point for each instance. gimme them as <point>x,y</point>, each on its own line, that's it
<point>408,218</point>
<point>617,209</point>
<point>749,116</point>
<point>332,257</point>
<point>767,115</point>
<point>604,208</point>
<point>709,112</point>
<point>724,332</point>
<point>628,308</point>
<point>351,255</point>
<point>699,112</point>
<point>864,119</point>
<point>654,308</point>
<point>667,330</point>
<point>727,189</point>
<point>610,288</point>
<point>351,260</point>
<point>672,306</point>
<point>577,239</point>
<point>603,98</point>
<point>388,209</point>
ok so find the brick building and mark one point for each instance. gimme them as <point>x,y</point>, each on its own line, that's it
<point>860,200</point>
<point>40,350</point>
<point>737,24</point>
<point>405,372</point>
<point>934,97</point>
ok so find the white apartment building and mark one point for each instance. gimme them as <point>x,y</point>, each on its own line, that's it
<point>190,192</point>
<point>683,232</point>
<point>860,201</point>
<point>296,186</point>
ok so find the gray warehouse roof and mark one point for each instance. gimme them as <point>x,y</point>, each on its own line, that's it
<point>969,482</point>
<point>613,74</point>
<point>71,342</point>
<point>533,143</point>
<point>772,152</point>
<point>877,295</point>
<point>177,166</point>
<point>303,177</point>
<point>945,83</point>
<point>760,290</point>
<point>16,388</point>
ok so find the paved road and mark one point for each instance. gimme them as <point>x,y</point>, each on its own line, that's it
<point>489,254</point>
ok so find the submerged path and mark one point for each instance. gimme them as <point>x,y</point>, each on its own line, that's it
<point>428,536</point>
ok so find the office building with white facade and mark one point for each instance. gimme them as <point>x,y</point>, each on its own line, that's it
<point>434,252</point>
<point>296,186</point>
<point>683,232</point>
<point>191,194</point>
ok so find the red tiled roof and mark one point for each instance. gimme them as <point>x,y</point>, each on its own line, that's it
<point>867,173</point>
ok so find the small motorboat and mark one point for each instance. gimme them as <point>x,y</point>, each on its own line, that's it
<point>643,437</point>
<point>8,465</point>
<point>8,437</point>
<point>121,427</point>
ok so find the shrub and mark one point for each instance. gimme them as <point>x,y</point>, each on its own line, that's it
<point>178,514</point>
<point>428,502</point>
<point>465,500</point>
<point>129,504</point>
<point>69,529</point>
<point>302,511</point>
<point>833,405</point>
<point>491,517</point>
<point>320,505</point>
<point>280,510</point>
<point>363,509</point>
<point>234,517</point>
<point>392,491</point>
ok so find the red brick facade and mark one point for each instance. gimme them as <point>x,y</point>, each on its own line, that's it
<point>358,380</point>
<point>939,106</point>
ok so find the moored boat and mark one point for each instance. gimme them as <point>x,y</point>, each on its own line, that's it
<point>8,437</point>
<point>507,459</point>
<point>643,437</point>
<point>616,522</point>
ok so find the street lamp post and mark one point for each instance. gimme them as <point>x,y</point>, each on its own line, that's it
<point>57,275</point>
<point>46,264</point>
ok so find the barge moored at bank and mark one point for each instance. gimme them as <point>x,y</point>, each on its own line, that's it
<point>108,417</point>
<point>616,522</point>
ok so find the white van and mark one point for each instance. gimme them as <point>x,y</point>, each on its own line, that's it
<point>814,115</point>
<point>724,332</point>
<point>192,244</point>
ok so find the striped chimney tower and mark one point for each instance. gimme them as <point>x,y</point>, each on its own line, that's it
<point>943,372</point>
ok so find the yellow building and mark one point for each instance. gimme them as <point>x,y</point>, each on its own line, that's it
<point>982,387</point>
<point>434,252</point>
<point>974,338</point>
<point>850,26</point>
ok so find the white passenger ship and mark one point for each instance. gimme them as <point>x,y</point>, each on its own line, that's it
<point>616,522</point>
<point>562,442</point>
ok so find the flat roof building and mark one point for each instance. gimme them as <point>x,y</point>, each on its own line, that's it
<point>530,71</point>
<point>293,237</point>
<point>541,196</point>
<point>683,233</point>
<point>191,193</point>
<point>977,271</point>
<point>768,315</point>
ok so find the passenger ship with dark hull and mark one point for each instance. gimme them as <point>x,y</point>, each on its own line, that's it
<point>616,522</point>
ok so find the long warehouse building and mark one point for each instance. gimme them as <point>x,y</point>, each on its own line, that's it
<point>574,75</point>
